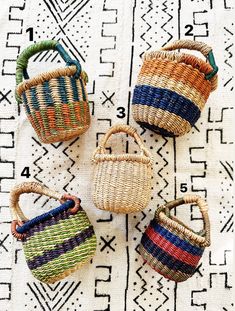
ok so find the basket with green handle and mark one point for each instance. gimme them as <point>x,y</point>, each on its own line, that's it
<point>55,101</point>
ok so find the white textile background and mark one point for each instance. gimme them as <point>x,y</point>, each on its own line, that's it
<point>109,38</point>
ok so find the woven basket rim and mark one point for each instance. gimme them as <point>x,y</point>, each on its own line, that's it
<point>193,237</point>
<point>122,157</point>
<point>45,76</point>
<point>213,81</point>
<point>35,219</point>
<point>178,57</point>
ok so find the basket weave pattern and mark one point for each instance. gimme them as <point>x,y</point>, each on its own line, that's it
<point>172,89</point>
<point>56,243</point>
<point>170,247</point>
<point>56,103</point>
<point>122,183</point>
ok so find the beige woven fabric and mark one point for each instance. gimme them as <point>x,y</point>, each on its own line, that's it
<point>122,183</point>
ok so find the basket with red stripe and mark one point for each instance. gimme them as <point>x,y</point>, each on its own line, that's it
<point>169,246</point>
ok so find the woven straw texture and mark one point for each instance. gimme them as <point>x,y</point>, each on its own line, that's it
<point>172,88</point>
<point>122,183</point>
<point>56,103</point>
<point>56,243</point>
<point>170,247</point>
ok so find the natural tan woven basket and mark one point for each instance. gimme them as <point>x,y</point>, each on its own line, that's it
<point>122,182</point>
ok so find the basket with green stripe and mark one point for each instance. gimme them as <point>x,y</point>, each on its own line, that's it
<point>56,101</point>
<point>57,242</point>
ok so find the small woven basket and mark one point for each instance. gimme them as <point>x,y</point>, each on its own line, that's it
<point>122,182</point>
<point>173,87</point>
<point>170,247</point>
<point>55,243</point>
<point>56,101</point>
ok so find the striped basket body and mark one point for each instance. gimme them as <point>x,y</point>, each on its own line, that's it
<point>171,91</point>
<point>56,247</point>
<point>122,182</point>
<point>57,242</point>
<point>172,249</point>
<point>56,101</point>
<point>57,108</point>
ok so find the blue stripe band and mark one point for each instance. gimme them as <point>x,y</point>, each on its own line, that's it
<point>174,239</point>
<point>26,102</point>
<point>47,94</point>
<point>166,100</point>
<point>166,259</point>
<point>62,90</point>
<point>36,220</point>
<point>75,89</point>
<point>33,98</point>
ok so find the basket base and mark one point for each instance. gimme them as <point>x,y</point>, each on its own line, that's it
<point>63,135</point>
<point>156,129</point>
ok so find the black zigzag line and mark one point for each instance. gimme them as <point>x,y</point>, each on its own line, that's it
<point>149,26</point>
<point>104,35</point>
<point>9,34</point>
<point>166,11</point>
<point>139,222</point>
<point>162,168</point>
<point>160,291</point>
<point>143,288</point>
<point>73,162</point>
<point>35,162</point>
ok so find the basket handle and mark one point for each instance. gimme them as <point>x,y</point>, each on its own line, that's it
<point>22,60</point>
<point>205,49</point>
<point>123,128</point>
<point>28,187</point>
<point>189,199</point>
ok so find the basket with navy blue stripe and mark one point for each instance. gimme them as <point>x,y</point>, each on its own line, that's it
<point>170,247</point>
<point>57,242</point>
<point>172,88</point>
<point>56,101</point>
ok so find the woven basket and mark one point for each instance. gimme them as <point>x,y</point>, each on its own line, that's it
<point>122,182</point>
<point>56,101</point>
<point>170,247</point>
<point>55,243</point>
<point>173,87</point>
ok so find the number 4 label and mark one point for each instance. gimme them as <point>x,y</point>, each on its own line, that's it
<point>25,172</point>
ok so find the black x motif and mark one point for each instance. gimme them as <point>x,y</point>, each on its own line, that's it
<point>2,243</point>
<point>4,97</point>
<point>108,98</point>
<point>107,243</point>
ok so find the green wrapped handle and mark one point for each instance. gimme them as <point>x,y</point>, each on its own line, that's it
<point>23,59</point>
